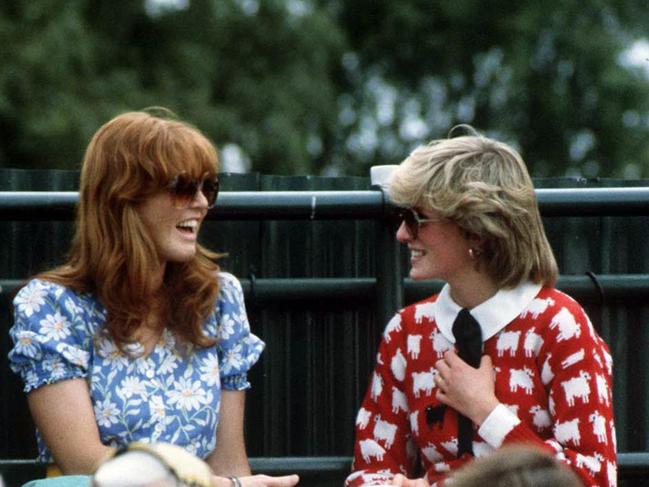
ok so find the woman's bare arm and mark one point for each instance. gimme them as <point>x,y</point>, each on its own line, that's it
<point>64,415</point>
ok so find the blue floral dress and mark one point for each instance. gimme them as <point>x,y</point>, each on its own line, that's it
<point>170,396</point>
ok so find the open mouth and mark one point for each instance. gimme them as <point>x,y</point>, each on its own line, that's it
<point>415,254</point>
<point>188,227</point>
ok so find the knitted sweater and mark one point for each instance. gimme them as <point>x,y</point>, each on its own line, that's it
<point>552,378</point>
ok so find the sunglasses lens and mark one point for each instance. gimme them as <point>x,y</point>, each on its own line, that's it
<point>183,191</point>
<point>408,217</point>
<point>210,191</point>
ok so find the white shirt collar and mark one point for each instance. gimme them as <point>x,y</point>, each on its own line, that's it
<point>493,315</point>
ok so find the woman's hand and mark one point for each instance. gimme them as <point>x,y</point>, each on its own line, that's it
<point>467,390</point>
<point>258,481</point>
<point>403,481</point>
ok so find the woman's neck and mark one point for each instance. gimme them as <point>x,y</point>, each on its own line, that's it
<point>473,291</point>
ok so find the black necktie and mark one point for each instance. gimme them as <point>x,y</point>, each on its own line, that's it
<point>468,340</point>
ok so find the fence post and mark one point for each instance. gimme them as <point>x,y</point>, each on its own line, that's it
<point>389,284</point>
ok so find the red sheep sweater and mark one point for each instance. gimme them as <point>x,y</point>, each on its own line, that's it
<point>553,379</point>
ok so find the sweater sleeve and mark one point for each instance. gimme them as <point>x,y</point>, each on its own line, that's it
<point>576,370</point>
<point>383,445</point>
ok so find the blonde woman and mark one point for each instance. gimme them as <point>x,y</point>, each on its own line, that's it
<point>139,335</point>
<point>500,355</point>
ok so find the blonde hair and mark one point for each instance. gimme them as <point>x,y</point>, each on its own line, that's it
<point>516,466</point>
<point>484,187</point>
<point>112,256</point>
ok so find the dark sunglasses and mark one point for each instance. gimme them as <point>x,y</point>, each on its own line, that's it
<point>413,220</point>
<point>183,190</point>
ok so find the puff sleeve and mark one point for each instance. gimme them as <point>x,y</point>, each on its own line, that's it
<point>51,341</point>
<point>238,349</point>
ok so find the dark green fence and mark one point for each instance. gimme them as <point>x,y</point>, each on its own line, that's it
<point>321,272</point>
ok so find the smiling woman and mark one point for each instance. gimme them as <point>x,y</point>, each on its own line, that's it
<point>139,336</point>
<point>498,356</point>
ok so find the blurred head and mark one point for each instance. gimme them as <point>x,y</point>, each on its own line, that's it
<point>483,187</point>
<point>516,466</point>
<point>152,465</point>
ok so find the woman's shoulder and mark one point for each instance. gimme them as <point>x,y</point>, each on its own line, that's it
<point>420,310</point>
<point>40,298</point>
<point>46,288</point>
<point>227,279</point>
<point>230,290</point>
<point>553,300</point>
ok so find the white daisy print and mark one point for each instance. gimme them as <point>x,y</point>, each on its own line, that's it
<point>55,367</point>
<point>210,369</point>
<point>233,359</point>
<point>30,300</point>
<point>132,386</point>
<point>187,394</point>
<point>111,354</point>
<point>27,344</point>
<point>106,413</point>
<point>72,307</point>
<point>168,364</point>
<point>157,409</point>
<point>73,355</point>
<point>226,328</point>
<point>55,327</point>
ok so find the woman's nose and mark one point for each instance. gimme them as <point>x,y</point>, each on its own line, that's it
<point>403,235</point>
<point>199,200</point>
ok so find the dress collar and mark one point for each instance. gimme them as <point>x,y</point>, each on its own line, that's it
<point>493,315</point>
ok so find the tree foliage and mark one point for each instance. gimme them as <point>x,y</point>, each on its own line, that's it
<point>333,86</point>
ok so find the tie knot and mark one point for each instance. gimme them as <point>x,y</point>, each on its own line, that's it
<point>468,338</point>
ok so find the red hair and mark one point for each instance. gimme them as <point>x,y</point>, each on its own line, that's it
<point>129,158</point>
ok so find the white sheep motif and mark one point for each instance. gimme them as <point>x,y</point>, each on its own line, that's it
<point>424,310</point>
<point>423,381</point>
<point>431,453</point>
<point>363,418</point>
<point>414,422</point>
<point>414,346</point>
<point>537,307</point>
<point>593,464</point>
<point>398,365</point>
<point>385,431</point>
<point>573,359</point>
<point>602,389</point>
<point>440,343</point>
<point>533,343</point>
<point>546,371</point>
<point>568,431</point>
<point>399,401</point>
<point>568,327</point>
<point>521,379</point>
<point>540,417</point>
<point>577,387</point>
<point>599,426</point>
<point>393,325</point>
<point>369,449</point>
<point>451,446</point>
<point>508,340</point>
<point>377,386</point>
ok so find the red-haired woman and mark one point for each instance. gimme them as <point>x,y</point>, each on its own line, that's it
<point>139,336</point>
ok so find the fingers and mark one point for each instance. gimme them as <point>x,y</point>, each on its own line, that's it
<point>268,481</point>
<point>285,481</point>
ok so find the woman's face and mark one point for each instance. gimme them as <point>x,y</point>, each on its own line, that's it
<point>174,230</point>
<point>439,251</point>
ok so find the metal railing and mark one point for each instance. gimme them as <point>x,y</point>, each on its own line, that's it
<point>388,284</point>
